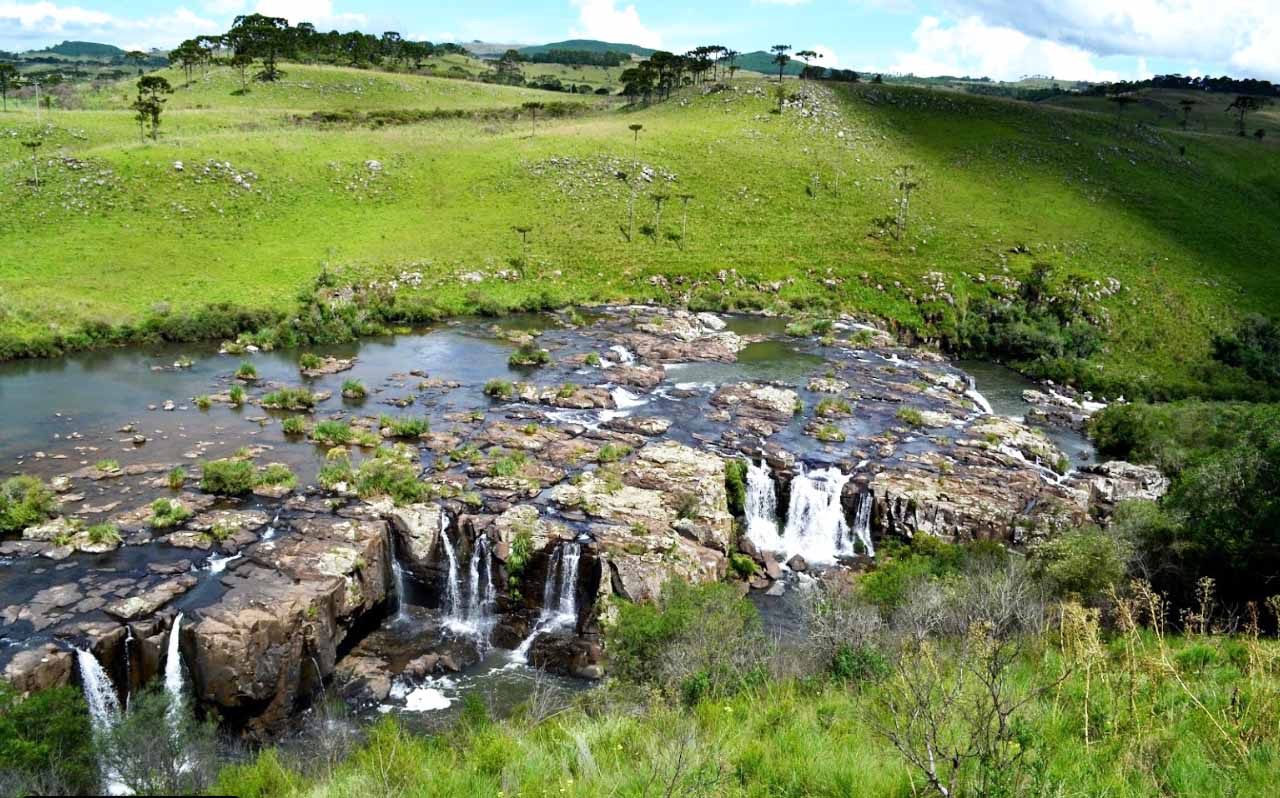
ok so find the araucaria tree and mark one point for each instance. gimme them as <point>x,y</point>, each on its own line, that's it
<point>262,37</point>
<point>8,76</point>
<point>1244,105</point>
<point>906,182</point>
<point>34,144</point>
<point>150,102</point>
<point>658,200</point>
<point>1186,105</point>
<point>533,109</point>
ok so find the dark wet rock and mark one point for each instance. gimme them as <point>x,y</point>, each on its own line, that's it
<point>40,668</point>
<point>650,426</point>
<point>771,567</point>
<point>645,377</point>
<point>147,602</point>
<point>567,654</point>
<point>170,568</point>
<point>272,639</point>
<point>330,365</point>
<point>798,564</point>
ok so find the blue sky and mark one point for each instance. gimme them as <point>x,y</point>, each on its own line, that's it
<point>1006,39</point>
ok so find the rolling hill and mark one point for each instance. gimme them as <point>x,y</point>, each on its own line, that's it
<point>588,45</point>
<point>72,49</point>
<point>785,211</point>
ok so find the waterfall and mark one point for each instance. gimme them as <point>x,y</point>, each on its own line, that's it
<point>861,533</point>
<point>453,606</point>
<point>173,670</point>
<point>762,508</point>
<point>104,710</point>
<point>398,573</point>
<point>816,526</point>
<point>481,596</point>
<point>977,398</point>
<point>128,663</point>
<point>559,596</point>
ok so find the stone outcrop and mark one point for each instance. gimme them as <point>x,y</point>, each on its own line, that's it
<point>268,644</point>
<point>678,336</point>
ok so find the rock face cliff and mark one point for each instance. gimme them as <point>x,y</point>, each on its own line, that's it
<point>267,646</point>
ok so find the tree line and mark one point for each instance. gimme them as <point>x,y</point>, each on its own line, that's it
<point>576,58</point>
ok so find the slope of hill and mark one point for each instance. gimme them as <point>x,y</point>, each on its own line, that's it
<point>81,49</point>
<point>760,61</point>
<point>588,45</point>
<point>1174,247</point>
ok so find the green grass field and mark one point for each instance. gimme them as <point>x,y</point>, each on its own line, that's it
<point>115,230</point>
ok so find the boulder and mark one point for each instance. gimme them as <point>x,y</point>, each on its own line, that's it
<point>417,528</point>
<point>268,644</point>
<point>146,603</point>
<point>40,668</point>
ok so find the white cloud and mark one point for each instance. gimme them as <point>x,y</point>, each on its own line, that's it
<point>1244,34</point>
<point>318,12</point>
<point>224,7</point>
<point>32,25</point>
<point>602,19</point>
<point>971,47</point>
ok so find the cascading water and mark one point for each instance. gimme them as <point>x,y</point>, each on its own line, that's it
<point>977,398</point>
<point>173,681</point>
<point>104,710</point>
<point>398,573</point>
<point>453,608</point>
<point>481,595</point>
<point>762,508</point>
<point>816,529</point>
<point>559,596</point>
<point>860,538</point>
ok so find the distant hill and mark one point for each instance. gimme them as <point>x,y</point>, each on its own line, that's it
<point>588,45</point>
<point>760,61</point>
<point>81,50</point>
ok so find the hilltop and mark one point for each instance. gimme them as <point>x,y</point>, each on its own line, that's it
<point>589,46</point>
<point>80,50</point>
<point>786,212</point>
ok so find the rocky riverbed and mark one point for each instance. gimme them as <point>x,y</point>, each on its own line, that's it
<point>650,445</point>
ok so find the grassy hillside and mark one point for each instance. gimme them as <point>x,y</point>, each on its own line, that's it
<point>762,62</point>
<point>788,201</point>
<point>1162,108</point>
<point>588,45</point>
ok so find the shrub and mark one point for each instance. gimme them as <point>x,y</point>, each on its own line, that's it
<point>406,426</point>
<point>860,663</point>
<point>687,505</point>
<point>701,639</point>
<point>334,472</point>
<point>834,407</point>
<point>742,566</point>
<point>24,502</point>
<point>107,465</point>
<point>236,394</point>
<point>290,399</point>
<point>310,361</point>
<point>910,416</point>
<point>227,477</point>
<point>829,433</point>
<point>204,402</point>
<point>333,433</point>
<point>46,736</point>
<point>103,534</point>
<point>499,389</point>
<point>276,475</point>
<point>529,355</point>
<point>176,478</point>
<point>1254,347</point>
<point>612,453</point>
<point>735,483</point>
<point>295,425</point>
<point>354,389</point>
<point>592,359</point>
<point>391,472</point>
<point>168,513</point>
<point>509,465</point>
<point>566,390</point>
<point>247,371</point>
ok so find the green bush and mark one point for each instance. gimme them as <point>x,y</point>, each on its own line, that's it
<point>354,389</point>
<point>499,389</point>
<point>391,472</point>
<point>899,568</point>
<point>168,513</point>
<point>227,477</point>
<point>1253,347</point>
<point>294,425</point>
<point>405,426</point>
<point>236,395</point>
<point>910,416</point>
<point>47,737</point>
<point>333,433</point>
<point>290,399</point>
<point>276,475</point>
<point>742,566</point>
<point>735,483</point>
<point>612,453</point>
<point>264,776</point>
<point>334,472</point>
<point>107,465</point>
<point>1084,564</point>
<point>529,355</point>
<point>862,663</point>
<point>203,402</point>
<point>310,361</point>
<point>24,502</point>
<point>247,371</point>
<point>176,478</point>
<point>103,534</point>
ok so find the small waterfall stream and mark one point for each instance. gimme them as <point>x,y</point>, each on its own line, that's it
<point>173,679</point>
<point>977,398</point>
<point>816,529</point>
<point>481,595</point>
<point>104,710</point>
<point>762,508</point>
<point>397,573</point>
<point>453,609</point>
<point>860,537</point>
<point>559,596</point>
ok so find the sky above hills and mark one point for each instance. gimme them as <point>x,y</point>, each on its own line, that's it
<point>1003,39</point>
